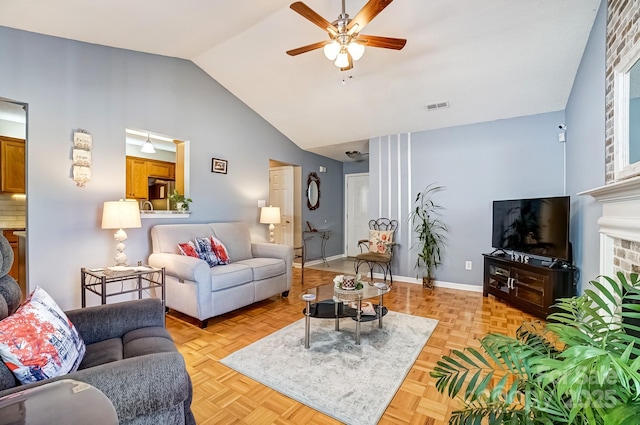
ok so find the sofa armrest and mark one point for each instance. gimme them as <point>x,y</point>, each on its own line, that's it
<point>181,266</point>
<point>272,250</point>
<point>139,385</point>
<point>136,386</point>
<point>114,320</point>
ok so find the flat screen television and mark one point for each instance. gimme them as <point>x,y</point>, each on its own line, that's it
<point>536,226</point>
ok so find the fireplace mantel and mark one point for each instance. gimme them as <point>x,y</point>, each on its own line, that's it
<point>620,208</point>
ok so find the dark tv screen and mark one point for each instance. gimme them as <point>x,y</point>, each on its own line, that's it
<point>538,226</point>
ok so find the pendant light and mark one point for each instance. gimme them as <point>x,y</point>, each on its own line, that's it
<point>148,146</point>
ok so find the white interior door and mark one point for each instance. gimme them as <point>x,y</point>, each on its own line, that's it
<point>357,219</point>
<point>281,195</point>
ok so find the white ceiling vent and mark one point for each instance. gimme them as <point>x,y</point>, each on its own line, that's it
<point>439,105</point>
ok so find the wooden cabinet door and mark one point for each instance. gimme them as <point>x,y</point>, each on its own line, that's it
<point>532,288</point>
<point>161,169</point>
<point>13,241</point>
<point>12,161</point>
<point>137,178</point>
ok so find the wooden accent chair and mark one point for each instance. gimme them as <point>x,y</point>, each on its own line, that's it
<point>378,249</point>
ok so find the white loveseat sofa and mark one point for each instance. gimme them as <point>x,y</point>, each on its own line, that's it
<point>256,270</point>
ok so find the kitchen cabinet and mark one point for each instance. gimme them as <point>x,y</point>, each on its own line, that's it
<point>161,169</point>
<point>138,172</point>
<point>137,178</point>
<point>12,162</point>
<point>531,287</point>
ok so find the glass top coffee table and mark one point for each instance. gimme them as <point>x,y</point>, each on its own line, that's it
<point>323,302</point>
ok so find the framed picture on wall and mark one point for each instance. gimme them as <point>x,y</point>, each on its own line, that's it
<point>218,166</point>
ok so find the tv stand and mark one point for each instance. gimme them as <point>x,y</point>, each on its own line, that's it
<point>498,252</point>
<point>533,287</point>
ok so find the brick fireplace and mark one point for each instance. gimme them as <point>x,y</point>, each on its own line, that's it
<point>620,222</point>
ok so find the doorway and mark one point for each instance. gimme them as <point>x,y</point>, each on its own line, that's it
<point>13,208</point>
<point>284,192</point>
<point>356,212</point>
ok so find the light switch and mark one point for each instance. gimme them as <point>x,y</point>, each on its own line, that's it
<point>262,203</point>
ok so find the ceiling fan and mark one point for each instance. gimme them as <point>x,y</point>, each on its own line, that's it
<point>345,43</point>
<point>357,155</point>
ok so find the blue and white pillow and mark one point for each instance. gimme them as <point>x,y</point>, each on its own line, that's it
<point>203,248</point>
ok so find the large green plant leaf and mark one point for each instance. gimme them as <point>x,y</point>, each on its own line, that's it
<point>581,368</point>
<point>430,230</point>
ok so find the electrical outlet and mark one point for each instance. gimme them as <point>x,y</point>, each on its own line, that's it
<point>468,265</point>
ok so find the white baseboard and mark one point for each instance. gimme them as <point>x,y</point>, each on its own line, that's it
<point>405,279</point>
<point>318,261</point>
<point>438,283</point>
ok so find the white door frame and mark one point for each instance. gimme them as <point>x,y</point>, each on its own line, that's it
<point>346,208</point>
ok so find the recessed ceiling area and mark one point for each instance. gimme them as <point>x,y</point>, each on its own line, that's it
<point>490,59</point>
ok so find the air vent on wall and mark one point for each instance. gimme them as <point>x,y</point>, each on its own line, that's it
<point>434,106</point>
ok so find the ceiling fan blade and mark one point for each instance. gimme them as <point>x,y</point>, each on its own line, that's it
<point>307,48</point>
<point>308,13</point>
<point>384,42</point>
<point>366,14</point>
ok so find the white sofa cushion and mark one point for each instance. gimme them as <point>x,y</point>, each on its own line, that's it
<point>264,268</point>
<point>236,238</point>
<point>165,238</point>
<point>223,277</point>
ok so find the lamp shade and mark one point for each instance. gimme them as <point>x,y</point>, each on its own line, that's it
<point>342,60</point>
<point>356,50</point>
<point>148,147</point>
<point>270,215</point>
<point>331,50</point>
<point>121,215</point>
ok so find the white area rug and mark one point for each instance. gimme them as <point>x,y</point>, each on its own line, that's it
<point>353,384</point>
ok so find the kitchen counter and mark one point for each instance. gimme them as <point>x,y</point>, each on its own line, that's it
<point>164,214</point>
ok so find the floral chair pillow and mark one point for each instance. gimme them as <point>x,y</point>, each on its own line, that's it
<point>380,241</point>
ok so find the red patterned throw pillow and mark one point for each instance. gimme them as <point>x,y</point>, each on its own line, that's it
<point>188,249</point>
<point>38,341</point>
<point>220,250</point>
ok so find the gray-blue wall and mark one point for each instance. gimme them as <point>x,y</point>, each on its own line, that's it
<point>585,119</point>
<point>69,84</point>
<point>479,163</point>
<point>513,158</point>
<point>355,167</point>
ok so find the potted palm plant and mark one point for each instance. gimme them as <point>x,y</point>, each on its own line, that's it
<point>582,368</point>
<point>431,234</point>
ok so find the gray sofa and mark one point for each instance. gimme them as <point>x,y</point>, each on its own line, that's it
<point>257,271</point>
<point>130,356</point>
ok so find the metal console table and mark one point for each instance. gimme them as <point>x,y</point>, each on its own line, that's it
<point>143,277</point>
<point>307,235</point>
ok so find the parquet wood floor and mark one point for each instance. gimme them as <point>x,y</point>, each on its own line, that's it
<point>223,396</point>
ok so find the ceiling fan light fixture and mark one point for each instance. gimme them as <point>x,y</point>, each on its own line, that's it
<point>356,50</point>
<point>357,155</point>
<point>331,50</point>
<point>148,147</point>
<point>342,60</point>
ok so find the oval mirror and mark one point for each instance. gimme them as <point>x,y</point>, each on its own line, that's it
<point>313,191</point>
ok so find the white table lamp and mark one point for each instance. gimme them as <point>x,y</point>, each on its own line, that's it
<point>270,215</point>
<point>121,215</point>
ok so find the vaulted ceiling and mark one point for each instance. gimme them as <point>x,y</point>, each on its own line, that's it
<point>489,59</point>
